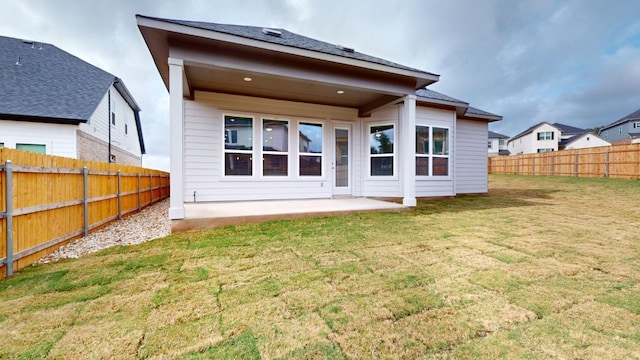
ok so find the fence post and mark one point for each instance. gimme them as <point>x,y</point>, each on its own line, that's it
<point>551,164</point>
<point>8,173</point>
<point>606,164</point>
<point>150,188</point>
<point>85,200</point>
<point>576,164</point>
<point>119,195</point>
<point>138,191</point>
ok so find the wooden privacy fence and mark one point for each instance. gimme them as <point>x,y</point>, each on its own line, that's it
<point>619,161</point>
<point>47,201</point>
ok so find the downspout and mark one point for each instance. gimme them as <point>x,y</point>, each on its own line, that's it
<point>109,120</point>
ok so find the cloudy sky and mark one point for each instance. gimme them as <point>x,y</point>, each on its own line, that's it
<point>573,62</point>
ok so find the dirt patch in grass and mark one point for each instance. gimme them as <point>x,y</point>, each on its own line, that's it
<point>540,267</point>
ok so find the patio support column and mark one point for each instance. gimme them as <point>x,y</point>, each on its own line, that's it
<point>176,104</point>
<point>407,151</point>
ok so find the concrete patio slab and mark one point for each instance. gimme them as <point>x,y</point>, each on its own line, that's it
<point>213,214</point>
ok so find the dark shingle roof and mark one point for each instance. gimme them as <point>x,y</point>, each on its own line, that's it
<point>286,38</point>
<point>475,111</point>
<point>430,94</point>
<point>48,82</point>
<point>495,135</point>
<point>633,116</point>
<point>567,129</point>
<point>40,82</point>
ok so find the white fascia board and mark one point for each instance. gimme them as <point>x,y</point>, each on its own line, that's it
<point>213,35</point>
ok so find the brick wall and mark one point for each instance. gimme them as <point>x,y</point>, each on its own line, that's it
<point>94,149</point>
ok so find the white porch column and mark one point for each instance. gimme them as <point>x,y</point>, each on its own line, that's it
<point>176,104</point>
<point>408,151</point>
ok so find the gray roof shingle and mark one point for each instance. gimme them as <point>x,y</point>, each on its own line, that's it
<point>495,135</point>
<point>287,38</point>
<point>40,80</point>
<point>430,94</point>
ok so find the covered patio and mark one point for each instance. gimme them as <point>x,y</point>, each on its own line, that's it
<point>205,215</point>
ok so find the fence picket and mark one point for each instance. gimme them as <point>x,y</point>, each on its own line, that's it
<point>618,161</point>
<point>54,200</point>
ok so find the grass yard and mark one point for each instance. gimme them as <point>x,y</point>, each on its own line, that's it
<point>541,267</point>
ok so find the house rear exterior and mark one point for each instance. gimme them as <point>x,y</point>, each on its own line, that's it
<point>54,103</point>
<point>263,114</point>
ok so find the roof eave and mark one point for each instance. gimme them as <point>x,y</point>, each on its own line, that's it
<point>460,106</point>
<point>42,119</point>
<point>423,78</point>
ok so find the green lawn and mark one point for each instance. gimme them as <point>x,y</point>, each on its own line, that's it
<point>539,268</point>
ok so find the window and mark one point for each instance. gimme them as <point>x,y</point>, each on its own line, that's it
<point>620,129</point>
<point>1,145</point>
<point>113,118</point>
<point>501,142</point>
<point>275,147</point>
<point>636,125</point>
<point>489,144</point>
<point>432,157</point>
<point>544,150</point>
<point>126,129</point>
<point>605,135</point>
<point>310,149</point>
<point>440,152</point>
<point>381,152</point>
<point>545,135</point>
<point>422,150</point>
<point>40,149</point>
<point>238,149</point>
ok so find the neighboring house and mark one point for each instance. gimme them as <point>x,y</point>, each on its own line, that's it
<point>259,113</point>
<point>544,137</point>
<point>497,144</point>
<point>623,131</point>
<point>54,103</point>
<point>582,141</point>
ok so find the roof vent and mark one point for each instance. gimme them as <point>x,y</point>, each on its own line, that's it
<point>271,32</point>
<point>345,49</point>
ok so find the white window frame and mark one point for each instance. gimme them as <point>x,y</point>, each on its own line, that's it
<point>545,133</point>
<point>278,153</point>
<point>394,175</point>
<point>431,155</point>
<point>252,152</point>
<point>321,155</point>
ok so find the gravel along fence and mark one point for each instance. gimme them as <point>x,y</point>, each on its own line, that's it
<point>150,223</point>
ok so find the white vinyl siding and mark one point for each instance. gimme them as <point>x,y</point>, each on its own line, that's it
<point>100,120</point>
<point>471,160</point>
<point>204,144</point>
<point>58,139</point>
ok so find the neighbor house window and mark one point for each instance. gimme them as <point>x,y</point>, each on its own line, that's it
<point>1,145</point>
<point>489,144</point>
<point>605,135</point>
<point>238,145</point>
<point>545,135</point>
<point>636,125</point>
<point>310,149</point>
<point>275,147</point>
<point>38,148</point>
<point>544,150</point>
<point>432,151</point>
<point>381,152</point>
<point>113,118</point>
<point>501,142</point>
<point>126,129</point>
<point>620,129</point>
